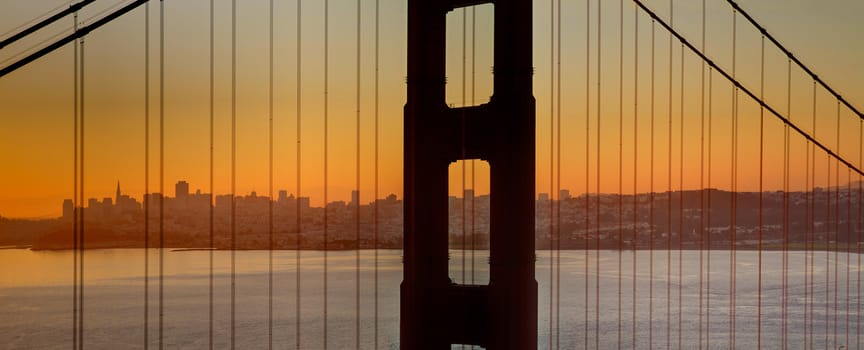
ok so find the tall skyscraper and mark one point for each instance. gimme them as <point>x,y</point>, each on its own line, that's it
<point>181,189</point>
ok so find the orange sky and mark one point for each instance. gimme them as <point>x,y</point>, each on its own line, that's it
<point>36,133</point>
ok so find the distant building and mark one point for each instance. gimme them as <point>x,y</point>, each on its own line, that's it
<point>303,202</point>
<point>355,198</point>
<point>223,202</point>
<point>181,190</point>
<point>107,207</point>
<point>564,195</point>
<point>543,197</point>
<point>153,200</point>
<point>68,209</point>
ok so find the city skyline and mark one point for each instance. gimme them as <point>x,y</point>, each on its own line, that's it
<point>36,142</point>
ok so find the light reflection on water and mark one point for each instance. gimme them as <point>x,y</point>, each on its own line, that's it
<point>36,298</point>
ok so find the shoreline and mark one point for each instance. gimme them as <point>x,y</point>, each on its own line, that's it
<point>818,248</point>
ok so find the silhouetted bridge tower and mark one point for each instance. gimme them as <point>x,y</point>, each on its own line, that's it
<point>502,314</point>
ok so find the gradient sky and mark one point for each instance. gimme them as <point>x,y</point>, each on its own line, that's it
<point>37,105</point>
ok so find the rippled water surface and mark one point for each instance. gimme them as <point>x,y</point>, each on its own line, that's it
<point>36,298</point>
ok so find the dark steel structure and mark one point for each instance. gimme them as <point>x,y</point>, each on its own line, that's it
<point>436,312</point>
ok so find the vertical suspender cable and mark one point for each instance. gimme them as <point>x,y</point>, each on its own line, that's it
<point>587,158</point>
<point>161,171</point>
<point>761,177</point>
<point>326,120</point>
<point>297,215</point>
<point>462,146</point>
<point>597,207</point>
<point>463,153</point>
<point>620,156</point>
<point>270,186</point>
<point>708,202</point>
<point>551,170</point>
<point>733,222</point>
<point>76,202</point>
<point>375,197</point>
<point>701,175</point>
<point>147,176</point>
<point>669,195</point>
<point>473,161</point>
<point>473,167</point>
<point>858,236</point>
<point>635,167</point>
<point>357,204</point>
<point>836,207</point>
<point>210,199</point>
<point>552,329</point>
<point>233,168</point>
<point>836,221</point>
<point>473,101</point>
<point>806,200</point>
<point>557,248</point>
<point>81,195</point>
<point>651,204</point>
<point>813,226</point>
<point>848,241</point>
<point>828,251</point>
<point>807,194</point>
<point>786,226</point>
<point>681,200</point>
<point>464,162</point>
<point>808,232</point>
<point>827,241</point>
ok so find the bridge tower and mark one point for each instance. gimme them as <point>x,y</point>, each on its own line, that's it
<point>436,312</point>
